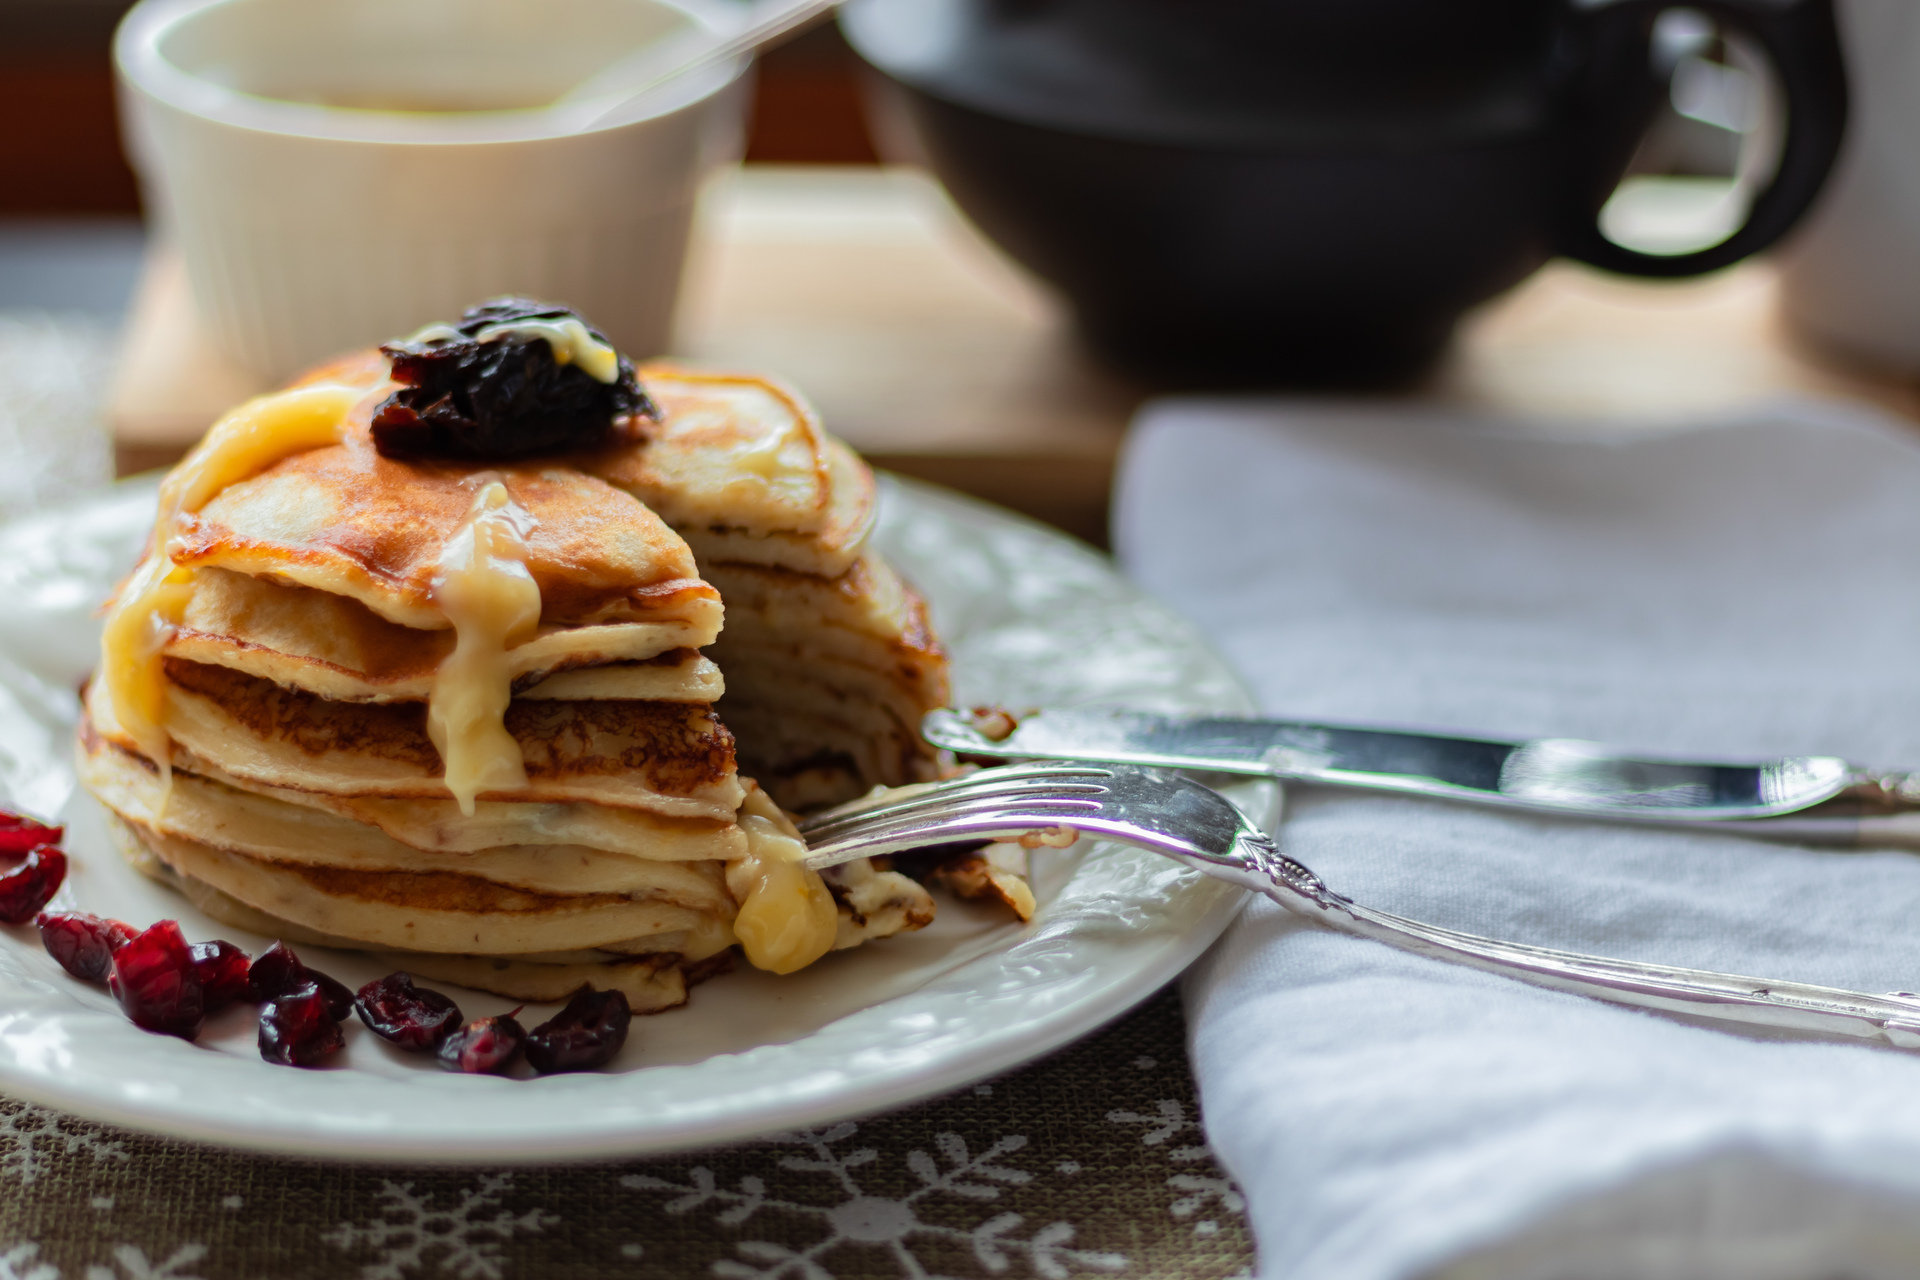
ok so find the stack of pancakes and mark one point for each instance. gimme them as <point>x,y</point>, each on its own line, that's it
<point>298,723</point>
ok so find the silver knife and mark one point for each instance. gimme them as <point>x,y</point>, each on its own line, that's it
<point>1806,799</point>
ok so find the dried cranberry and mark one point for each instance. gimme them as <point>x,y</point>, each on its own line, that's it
<point>279,972</point>
<point>412,1017</point>
<point>506,397</point>
<point>585,1034</point>
<point>298,1030</point>
<point>223,973</point>
<point>20,834</point>
<point>485,1046</point>
<point>154,980</point>
<point>83,944</point>
<point>26,888</point>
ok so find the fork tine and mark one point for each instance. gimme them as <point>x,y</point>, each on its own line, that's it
<point>1151,808</point>
<point>1040,812</point>
<point>1043,810</point>
<point>957,802</point>
<point>1006,781</point>
<point>984,826</point>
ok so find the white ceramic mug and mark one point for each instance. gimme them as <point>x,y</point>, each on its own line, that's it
<point>340,172</point>
<point>1851,273</point>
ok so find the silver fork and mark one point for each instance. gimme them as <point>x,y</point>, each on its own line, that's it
<point>1173,815</point>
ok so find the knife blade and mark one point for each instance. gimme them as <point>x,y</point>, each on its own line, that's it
<point>1831,801</point>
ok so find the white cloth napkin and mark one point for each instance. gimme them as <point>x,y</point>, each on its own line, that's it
<point>1729,589</point>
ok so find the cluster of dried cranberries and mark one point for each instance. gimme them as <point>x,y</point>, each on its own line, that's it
<point>32,866</point>
<point>588,1033</point>
<point>169,985</point>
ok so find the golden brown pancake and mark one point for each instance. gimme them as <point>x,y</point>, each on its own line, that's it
<point>351,523</point>
<point>340,649</point>
<point>673,758</point>
<point>739,466</point>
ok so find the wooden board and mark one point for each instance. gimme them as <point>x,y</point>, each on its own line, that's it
<point>936,357</point>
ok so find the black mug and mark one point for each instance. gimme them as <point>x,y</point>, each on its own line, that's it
<point>1313,191</point>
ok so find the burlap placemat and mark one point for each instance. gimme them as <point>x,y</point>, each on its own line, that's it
<point>1089,1163</point>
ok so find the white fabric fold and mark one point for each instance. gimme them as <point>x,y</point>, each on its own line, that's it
<point>1732,588</point>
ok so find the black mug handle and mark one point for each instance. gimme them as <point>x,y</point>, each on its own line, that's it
<point>1802,41</point>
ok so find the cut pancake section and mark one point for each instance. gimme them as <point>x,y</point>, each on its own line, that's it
<point>828,679</point>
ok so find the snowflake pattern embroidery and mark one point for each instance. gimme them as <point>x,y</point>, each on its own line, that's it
<point>886,1224</point>
<point>21,1262</point>
<point>133,1264</point>
<point>411,1232</point>
<point>29,1134</point>
<point>1170,1120</point>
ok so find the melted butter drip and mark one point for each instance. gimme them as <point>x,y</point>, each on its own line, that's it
<point>244,443</point>
<point>762,456</point>
<point>484,589</point>
<point>787,919</point>
<point>569,339</point>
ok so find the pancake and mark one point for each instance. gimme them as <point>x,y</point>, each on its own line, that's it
<point>265,827</point>
<point>672,758</point>
<point>346,521</point>
<point>740,467</point>
<point>340,649</point>
<point>486,716</point>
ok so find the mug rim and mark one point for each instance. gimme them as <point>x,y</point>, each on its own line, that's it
<point>142,66</point>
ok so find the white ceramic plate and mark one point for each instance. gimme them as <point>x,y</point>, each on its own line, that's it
<point>1032,618</point>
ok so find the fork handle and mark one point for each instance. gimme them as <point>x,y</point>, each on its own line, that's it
<point>1892,1019</point>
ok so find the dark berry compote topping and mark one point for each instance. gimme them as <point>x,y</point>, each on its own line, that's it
<point>279,972</point>
<point>154,979</point>
<point>588,1033</point>
<point>83,944</point>
<point>411,1017</point>
<point>298,1029</point>
<point>492,387</point>
<point>224,973</point>
<point>30,884</point>
<point>20,834</point>
<point>485,1046</point>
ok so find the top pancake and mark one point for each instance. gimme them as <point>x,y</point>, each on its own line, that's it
<point>349,522</point>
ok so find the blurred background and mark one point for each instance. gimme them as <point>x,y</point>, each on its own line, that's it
<point>72,234</point>
<point>935,355</point>
<point>69,207</point>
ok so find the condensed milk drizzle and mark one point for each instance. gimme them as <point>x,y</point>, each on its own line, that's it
<point>569,339</point>
<point>787,919</point>
<point>144,618</point>
<point>484,589</point>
